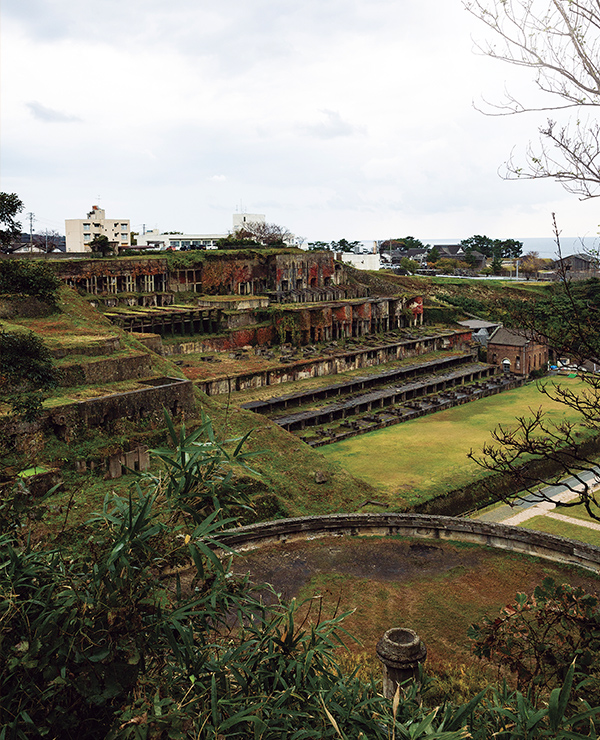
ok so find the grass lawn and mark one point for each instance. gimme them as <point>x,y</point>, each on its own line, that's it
<point>579,512</point>
<point>411,462</point>
<point>563,529</point>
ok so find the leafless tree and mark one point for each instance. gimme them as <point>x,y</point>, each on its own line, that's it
<point>264,233</point>
<point>540,449</point>
<point>559,40</point>
<point>47,240</point>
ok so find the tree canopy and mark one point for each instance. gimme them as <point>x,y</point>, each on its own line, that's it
<point>10,233</point>
<point>260,234</point>
<point>401,244</point>
<point>26,374</point>
<point>100,245</point>
<point>342,245</point>
<point>501,248</point>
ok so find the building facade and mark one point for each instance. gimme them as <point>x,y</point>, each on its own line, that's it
<point>155,239</point>
<point>80,231</point>
<point>517,352</point>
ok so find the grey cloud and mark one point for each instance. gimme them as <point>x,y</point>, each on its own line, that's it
<point>49,115</point>
<point>332,127</point>
<point>236,35</point>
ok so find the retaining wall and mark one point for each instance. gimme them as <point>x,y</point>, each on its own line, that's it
<point>368,382</point>
<point>501,536</point>
<point>174,394</point>
<point>110,370</point>
<point>335,363</point>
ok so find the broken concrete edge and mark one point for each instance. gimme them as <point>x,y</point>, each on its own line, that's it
<point>421,526</point>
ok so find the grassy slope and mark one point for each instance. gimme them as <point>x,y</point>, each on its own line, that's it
<point>287,466</point>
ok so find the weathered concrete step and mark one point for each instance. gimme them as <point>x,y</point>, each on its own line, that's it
<point>108,370</point>
<point>359,384</point>
<point>500,385</point>
<point>379,399</point>
<point>334,361</point>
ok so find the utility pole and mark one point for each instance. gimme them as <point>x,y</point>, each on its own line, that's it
<point>31,218</point>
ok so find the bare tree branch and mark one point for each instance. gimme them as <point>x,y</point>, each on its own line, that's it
<point>541,450</point>
<point>560,41</point>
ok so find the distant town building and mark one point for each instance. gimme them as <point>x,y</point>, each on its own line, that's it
<point>481,329</point>
<point>360,261</point>
<point>241,220</point>
<point>516,351</point>
<point>457,252</point>
<point>80,231</point>
<point>45,242</point>
<point>155,239</point>
<point>580,263</point>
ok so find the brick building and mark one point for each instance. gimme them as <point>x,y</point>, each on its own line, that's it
<point>517,352</point>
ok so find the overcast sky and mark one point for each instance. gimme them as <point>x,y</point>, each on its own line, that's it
<point>335,118</point>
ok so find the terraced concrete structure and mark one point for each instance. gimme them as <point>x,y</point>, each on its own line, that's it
<point>332,359</point>
<point>366,403</point>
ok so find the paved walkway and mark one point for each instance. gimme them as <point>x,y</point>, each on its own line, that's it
<point>537,504</point>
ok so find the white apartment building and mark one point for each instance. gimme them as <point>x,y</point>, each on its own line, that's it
<point>156,239</point>
<point>240,220</point>
<point>80,231</point>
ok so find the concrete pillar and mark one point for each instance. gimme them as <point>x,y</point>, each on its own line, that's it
<point>400,651</point>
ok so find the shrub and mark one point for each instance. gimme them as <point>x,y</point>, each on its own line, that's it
<point>538,637</point>
<point>26,373</point>
<point>29,277</point>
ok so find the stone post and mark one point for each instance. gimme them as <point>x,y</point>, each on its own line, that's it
<point>400,650</point>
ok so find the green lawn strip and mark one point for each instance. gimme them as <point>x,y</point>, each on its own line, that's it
<point>90,359</point>
<point>563,529</point>
<point>415,460</point>
<point>579,512</point>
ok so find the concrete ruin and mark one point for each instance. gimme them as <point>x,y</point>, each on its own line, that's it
<point>239,299</point>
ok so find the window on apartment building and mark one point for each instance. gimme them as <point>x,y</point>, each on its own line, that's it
<point>174,244</point>
<point>86,226</point>
<point>123,237</point>
<point>87,237</point>
<point>124,227</point>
